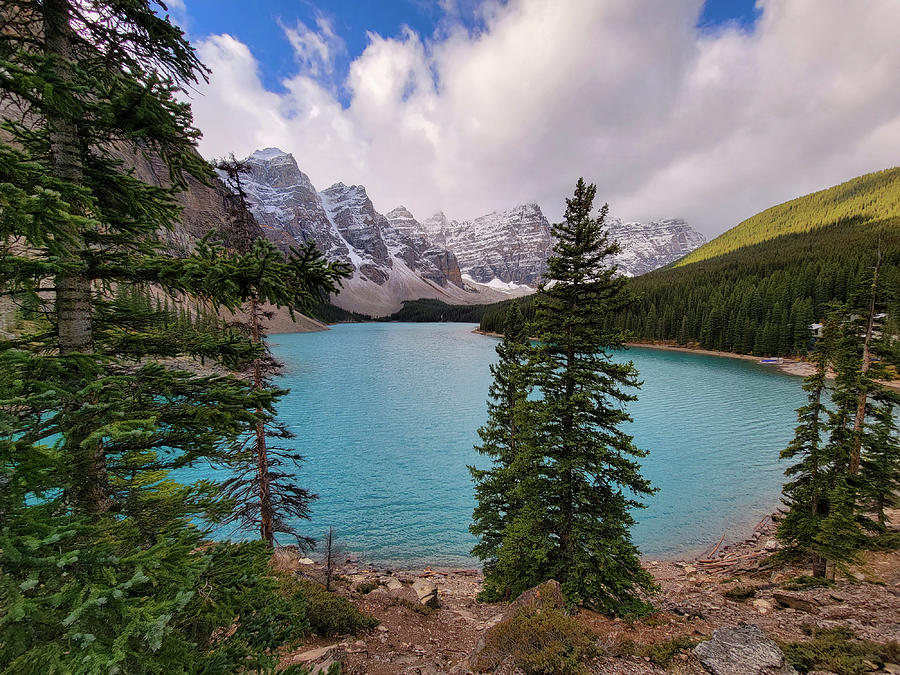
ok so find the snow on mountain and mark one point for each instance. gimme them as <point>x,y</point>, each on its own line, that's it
<point>649,246</point>
<point>390,264</point>
<point>395,257</point>
<point>511,246</point>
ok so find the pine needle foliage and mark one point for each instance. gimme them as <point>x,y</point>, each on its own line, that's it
<point>590,475</point>
<point>500,490</point>
<point>103,558</point>
<point>579,477</point>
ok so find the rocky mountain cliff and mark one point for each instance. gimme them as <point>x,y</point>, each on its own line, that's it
<point>396,257</point>
<point>391,263</point>
<point>512,246</point>
<point>649,246</point>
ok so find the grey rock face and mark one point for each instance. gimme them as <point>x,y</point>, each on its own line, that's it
<point>426,593</point>
<point>649,246</point>
<point>284,202</point>
<point>341,220</point>
<point>512,246</point>
<point>744,650</point>
<point>409,239</point>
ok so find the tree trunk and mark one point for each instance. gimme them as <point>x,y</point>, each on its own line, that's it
<point>866,363</point>
<point>73,288</point>
<point>818,566</point>
<point>568,505</point>
<point>266,512</point>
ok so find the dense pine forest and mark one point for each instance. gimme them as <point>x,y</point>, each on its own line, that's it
<point>761,298</point>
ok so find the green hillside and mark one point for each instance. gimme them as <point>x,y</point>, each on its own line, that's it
<point>779,272</point>
<point>868,198</point>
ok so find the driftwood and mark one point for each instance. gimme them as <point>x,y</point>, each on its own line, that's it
<point>713,552</point>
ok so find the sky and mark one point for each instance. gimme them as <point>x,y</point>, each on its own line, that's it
<point>705,110</point>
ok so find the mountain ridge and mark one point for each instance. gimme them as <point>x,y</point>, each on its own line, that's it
<point>396,257</point>
<point>848,200</point>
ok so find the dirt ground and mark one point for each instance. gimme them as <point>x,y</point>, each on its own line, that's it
<point>691,603</point>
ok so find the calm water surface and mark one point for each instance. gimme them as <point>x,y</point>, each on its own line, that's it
<point>386,415</point>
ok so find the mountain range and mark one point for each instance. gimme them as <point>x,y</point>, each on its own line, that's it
<point>396,257</point>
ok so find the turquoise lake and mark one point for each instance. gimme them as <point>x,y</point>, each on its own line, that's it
<point>386,415</point>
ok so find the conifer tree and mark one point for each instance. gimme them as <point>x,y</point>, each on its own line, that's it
<point>505,439</point>
<point>264,486</point>
<point>812,476</point>
<point>101,551</point>
<point>577,509</point>
<point>880,471</point>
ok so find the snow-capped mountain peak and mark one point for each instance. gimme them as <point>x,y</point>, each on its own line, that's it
<point>268,154</point>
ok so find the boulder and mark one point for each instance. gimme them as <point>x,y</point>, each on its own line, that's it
<point>744,650</point>
<point>393,584</point>
<point>426,593</point>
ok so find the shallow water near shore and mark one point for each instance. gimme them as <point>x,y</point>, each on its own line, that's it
<point>386,415</point>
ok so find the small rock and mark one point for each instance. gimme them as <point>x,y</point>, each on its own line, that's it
<point>393,584</point>
<point>689,569</point>
<point>763,606</point>
<point>427,593</point>
<point>313,654</point>
<point>382,628</point>
<point>306,561</point>
<point>771,545</point>
<point>744,650</point>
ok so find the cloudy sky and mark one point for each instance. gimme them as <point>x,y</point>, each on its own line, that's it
<point>710,111</point>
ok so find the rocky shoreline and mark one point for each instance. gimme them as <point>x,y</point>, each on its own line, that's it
<point>431,622</point>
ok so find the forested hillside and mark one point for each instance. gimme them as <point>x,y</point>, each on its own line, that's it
<point>869,198</point>
<point>761,297</point>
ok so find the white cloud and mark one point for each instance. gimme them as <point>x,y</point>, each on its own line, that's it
<point>668,121</point>
<point>315,50</point>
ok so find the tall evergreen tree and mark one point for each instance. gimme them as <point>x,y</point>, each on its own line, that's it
<point>264,486</point>
<point>813,474</point>
<point>101,554</point>
<point>501,490</point>
<point>589,478</point>
<point>880,471</point>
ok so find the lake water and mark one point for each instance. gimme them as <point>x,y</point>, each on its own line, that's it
<point>386,415</point>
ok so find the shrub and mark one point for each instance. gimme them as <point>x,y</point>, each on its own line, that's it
<point>366,587</point>
<point>805,582</point>
<point>547,642</point>
<point>837,650</point>
<point>739,593</point>
<point>330,614</point>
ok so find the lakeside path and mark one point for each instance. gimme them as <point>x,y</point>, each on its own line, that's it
<point>789,366</point>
